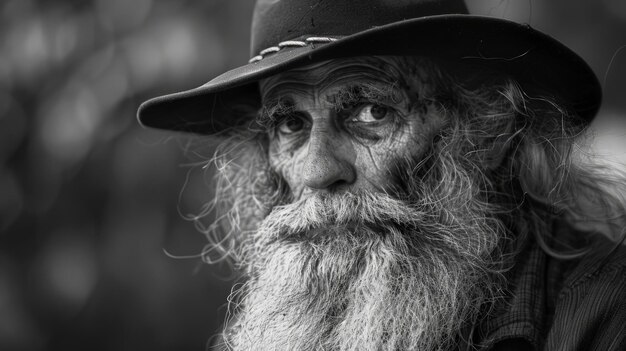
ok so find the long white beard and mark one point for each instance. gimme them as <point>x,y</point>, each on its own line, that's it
<point>365,272</point>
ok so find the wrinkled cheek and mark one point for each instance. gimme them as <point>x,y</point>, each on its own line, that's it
<point>375,162</point>
<point>374,169</point>
<point>289,168</point>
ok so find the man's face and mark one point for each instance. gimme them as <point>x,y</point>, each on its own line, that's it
<point>342,125</point>
<point>373,248</point>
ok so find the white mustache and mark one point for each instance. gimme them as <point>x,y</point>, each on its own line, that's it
<point>322,210</point>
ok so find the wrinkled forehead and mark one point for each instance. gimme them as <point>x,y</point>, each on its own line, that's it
<point>331,77</point>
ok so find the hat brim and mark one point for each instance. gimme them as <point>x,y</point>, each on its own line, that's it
<point>539,63</point>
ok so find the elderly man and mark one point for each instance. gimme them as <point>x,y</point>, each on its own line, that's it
<point>399,175</point>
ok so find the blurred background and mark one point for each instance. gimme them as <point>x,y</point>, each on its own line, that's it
<point>89,201</point>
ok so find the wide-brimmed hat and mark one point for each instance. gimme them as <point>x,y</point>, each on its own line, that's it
<point>291,33</point>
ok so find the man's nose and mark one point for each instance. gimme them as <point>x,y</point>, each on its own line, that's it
<point>327,162</point>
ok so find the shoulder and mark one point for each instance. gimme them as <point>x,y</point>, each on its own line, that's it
<point>590,309</point>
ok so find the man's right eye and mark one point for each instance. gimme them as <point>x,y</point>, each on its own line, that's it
<point>291,124</point>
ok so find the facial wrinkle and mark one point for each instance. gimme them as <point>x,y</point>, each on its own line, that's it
<point>336,72</point>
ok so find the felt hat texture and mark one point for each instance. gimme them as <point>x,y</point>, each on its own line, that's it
<point>292,33</point>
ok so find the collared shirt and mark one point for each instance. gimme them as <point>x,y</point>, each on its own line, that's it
<point>557,304</point>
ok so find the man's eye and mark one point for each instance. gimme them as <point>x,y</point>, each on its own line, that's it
<point>291,124</point>
<point>371,113</point>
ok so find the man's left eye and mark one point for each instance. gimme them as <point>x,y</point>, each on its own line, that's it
<point>371,113</point>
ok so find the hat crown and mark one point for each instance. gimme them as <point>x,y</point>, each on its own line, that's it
<point>275,21</point>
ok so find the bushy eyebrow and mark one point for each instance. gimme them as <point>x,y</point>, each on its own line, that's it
<point>384,94</point>
<point>343,98</point>
<point>273,110</point>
